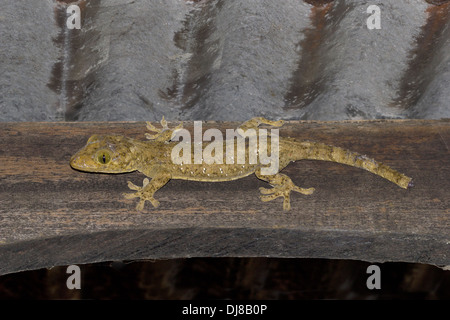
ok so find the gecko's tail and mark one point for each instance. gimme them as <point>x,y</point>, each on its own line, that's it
<point>319,151</point>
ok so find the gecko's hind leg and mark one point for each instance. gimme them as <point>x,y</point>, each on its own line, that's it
<point>163,134</point>
<point>255,122</point>
<point>282,187</point>
<point>148,189</point>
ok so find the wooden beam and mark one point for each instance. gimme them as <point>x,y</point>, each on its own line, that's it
<point>53,215</point>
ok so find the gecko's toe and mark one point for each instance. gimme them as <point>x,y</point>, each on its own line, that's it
<point>132,186</point>
<point>149,136</point>
<point>267,190</point>
<point>267,198</point>
<point>140,205</point>
<point>154,202</point>
<point>287,204</point>
<point>130,195</point>
<point>303,190</point>
<point>272,196</point>
<point>163,123</point>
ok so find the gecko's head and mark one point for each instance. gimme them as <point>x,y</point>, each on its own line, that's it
<point>107,154</point>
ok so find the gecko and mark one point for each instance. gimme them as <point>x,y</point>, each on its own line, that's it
<point>120,154</point>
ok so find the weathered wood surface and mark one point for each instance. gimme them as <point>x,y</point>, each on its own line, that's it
<point>52,215</point>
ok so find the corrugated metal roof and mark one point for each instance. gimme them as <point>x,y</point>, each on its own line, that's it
<point>224,60</point>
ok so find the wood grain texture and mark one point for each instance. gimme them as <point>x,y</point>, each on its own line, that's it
<point>53,215</point>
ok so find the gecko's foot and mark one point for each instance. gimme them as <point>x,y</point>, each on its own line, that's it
<point>163,134</point>
<point>142,194</point>
<point>255,122</point>
<point>283,190</point>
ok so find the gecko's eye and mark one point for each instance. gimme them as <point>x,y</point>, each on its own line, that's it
<point>103,156</point>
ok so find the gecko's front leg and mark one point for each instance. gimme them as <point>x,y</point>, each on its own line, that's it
<point>148,189</point>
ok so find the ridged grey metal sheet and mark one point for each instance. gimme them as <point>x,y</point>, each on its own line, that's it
<point>223,60</point>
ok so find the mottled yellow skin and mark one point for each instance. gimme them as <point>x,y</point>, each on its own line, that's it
<point>119,154</point>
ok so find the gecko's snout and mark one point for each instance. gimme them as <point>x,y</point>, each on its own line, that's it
<point>77,162</point>
<point>74,162</point>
